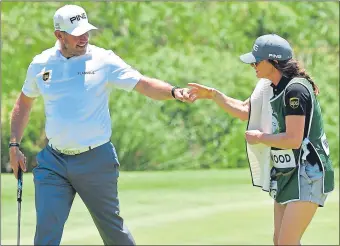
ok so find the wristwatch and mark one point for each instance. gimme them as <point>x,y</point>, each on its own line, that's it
<point>173,91</point>
<point>13,145</point>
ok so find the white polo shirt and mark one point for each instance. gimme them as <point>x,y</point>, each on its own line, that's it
<point>76,93</point>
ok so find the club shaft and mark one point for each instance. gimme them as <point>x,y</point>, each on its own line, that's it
<point>19,199</point>
<point>19,219</point>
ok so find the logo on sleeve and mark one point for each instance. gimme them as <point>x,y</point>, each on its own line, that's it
<point>294,102</point>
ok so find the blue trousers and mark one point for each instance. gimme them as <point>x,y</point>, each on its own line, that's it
<point>94,176</point>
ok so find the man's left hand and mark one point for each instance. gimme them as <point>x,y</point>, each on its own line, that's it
<point>253,136</point>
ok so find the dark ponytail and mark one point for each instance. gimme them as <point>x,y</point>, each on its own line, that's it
<point>291,68</point>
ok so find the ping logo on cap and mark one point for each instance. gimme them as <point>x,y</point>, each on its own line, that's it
<point>77,17</point>
<point>275,56</point>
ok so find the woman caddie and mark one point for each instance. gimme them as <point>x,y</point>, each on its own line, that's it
<point>302,174</point>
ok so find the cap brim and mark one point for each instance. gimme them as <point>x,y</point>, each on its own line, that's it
<point>80,30</point>
<point>248,58</point>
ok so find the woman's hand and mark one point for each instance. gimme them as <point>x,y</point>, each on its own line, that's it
<point>201,92</point>
<point>253,136</point>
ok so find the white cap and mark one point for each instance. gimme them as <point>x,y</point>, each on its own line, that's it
<point>72,19</point>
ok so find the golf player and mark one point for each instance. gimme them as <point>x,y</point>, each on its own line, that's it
<point>74,79</point>
<point>302,172</point>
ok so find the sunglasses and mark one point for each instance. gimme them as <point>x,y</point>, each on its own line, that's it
<point>255,64</point>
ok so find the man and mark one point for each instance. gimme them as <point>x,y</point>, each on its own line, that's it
<point>75,78</point>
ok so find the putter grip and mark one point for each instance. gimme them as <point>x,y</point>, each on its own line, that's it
<point>19,192</point>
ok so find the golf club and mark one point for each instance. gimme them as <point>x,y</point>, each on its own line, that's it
<point>19,196</point>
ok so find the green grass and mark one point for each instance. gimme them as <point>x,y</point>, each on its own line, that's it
<point>179,207</point>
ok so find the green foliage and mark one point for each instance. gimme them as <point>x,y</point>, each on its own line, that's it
<point>179,42</point>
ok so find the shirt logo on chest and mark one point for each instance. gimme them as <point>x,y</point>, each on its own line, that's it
<point>86,72</point>
<point>47,75</point>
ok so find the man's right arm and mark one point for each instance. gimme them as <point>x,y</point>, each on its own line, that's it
<point>20,116</point>
<point>19,120</point>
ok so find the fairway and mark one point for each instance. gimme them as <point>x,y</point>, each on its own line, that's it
<point>179,207</point>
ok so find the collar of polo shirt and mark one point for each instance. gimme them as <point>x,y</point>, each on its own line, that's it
<point>57,46</point>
